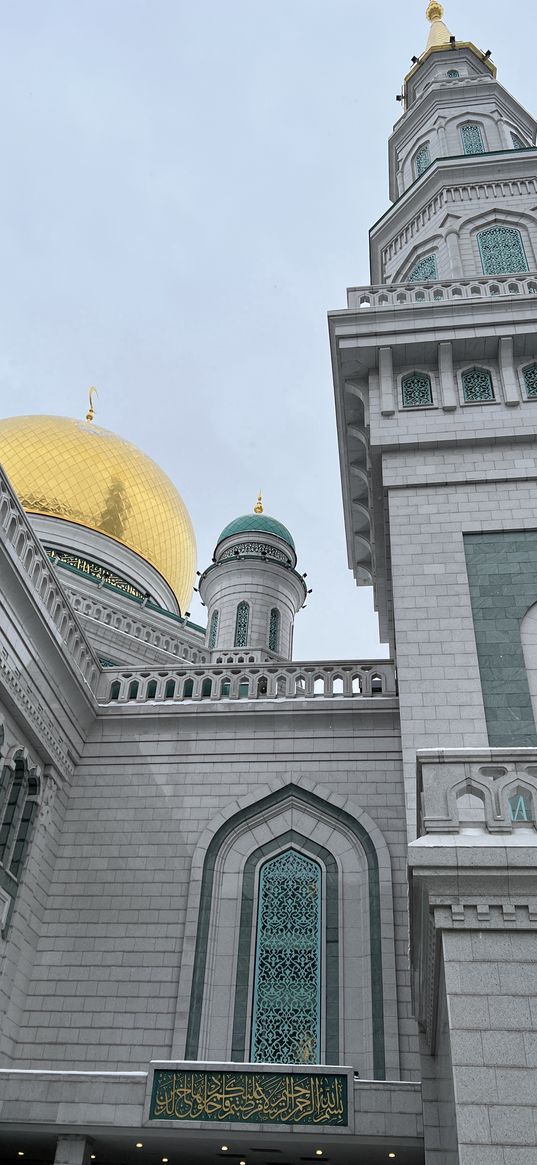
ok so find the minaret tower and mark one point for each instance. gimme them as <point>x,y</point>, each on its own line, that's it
<point>435,371</point>
<point>252,590</point>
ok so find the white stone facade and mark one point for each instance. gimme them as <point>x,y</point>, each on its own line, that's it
<point>151,768</point>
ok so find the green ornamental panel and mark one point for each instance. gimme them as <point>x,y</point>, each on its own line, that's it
<point>249,1097</point>
<point>502,576</point>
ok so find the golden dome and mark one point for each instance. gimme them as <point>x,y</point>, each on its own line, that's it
<point>77,471</point>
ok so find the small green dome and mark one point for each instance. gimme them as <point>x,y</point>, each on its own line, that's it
<point>257,524</point>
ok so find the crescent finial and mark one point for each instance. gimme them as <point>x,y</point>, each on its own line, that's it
<point>92,392</point>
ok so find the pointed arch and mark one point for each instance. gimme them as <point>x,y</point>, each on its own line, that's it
<point>222,901</point>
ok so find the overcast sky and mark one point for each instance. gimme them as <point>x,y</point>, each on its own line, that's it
<point>187,190</point>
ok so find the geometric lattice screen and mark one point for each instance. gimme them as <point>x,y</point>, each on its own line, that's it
<point>241,625</point>
<point>502,251</point>
<point>416,389</point>
<point>472,139</point>
<point>286,1012</point>
<point>423,270</point>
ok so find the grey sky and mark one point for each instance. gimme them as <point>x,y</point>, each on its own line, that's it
<point>187,189</point>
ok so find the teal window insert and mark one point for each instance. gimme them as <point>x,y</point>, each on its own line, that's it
<point>502,251</point>
<point>425,269</point>
<point>274,629</point>
<point>213,632</point>
<point>518,144</point>
<point>23,837</point>
<point>423,159</point>
<point>530,381</point>
<point>241,625</point>
<point>286,1012</point>
<point>417,390</point>
<point>472,139</point>
<point>477,385</point>
<point>453,74</point>
<point>520,808</point>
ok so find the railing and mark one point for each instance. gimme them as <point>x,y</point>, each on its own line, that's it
<point>145,630</point>
<point>264,682</point>
<point>488,790</point>
<point>400,295</point>
<point>32,562</point>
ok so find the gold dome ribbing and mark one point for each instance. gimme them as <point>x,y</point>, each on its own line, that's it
<point>77,471</point>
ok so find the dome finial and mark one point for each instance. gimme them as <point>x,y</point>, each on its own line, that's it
<point>439,34</point>
<point>91,411</point>
<point>258,508</point>
<point>435,11</point>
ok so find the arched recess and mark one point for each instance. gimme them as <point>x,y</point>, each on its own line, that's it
<point>498,215</point>
<point>214,1002</point>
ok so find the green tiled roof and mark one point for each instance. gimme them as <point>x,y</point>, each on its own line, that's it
<point>257,524</point>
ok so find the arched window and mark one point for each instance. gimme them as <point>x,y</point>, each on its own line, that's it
<point>10,812</point>
<point>213,632</point>
<point>453,74</point>
<point>423,159</point>
<point>274,630</point>
<point>502,251</point>
<point>19,814</point>
<point>286,1012</point>
<point>518,143</point>
<point>425,269</point>
<point>477,385</point>
<point>241,625</point>
<point>530,381</point>
<point>472,139</point>
<point>416,389</point>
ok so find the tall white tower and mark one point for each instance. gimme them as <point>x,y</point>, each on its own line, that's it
<point>435,371</point>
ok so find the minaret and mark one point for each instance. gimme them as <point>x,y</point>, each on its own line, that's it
<point>252,591</point>
<point>435,371</point>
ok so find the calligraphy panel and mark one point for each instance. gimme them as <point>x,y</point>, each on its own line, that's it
<point>283,1098</point>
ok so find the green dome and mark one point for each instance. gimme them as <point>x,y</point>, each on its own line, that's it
<point>257,524</point>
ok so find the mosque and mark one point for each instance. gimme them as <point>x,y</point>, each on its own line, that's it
<point>269,912</point>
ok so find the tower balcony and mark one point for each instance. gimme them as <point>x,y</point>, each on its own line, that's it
<point>401,296</point>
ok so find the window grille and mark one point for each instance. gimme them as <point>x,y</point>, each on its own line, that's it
<point>425,269</point>
<point>472,139</point>
<point>213,633</point>
<point>518,143</point>
<point>286,1013</point>
<point>477,385</point>
<point>453,73</point>
<point>530,381</point>
<point>417,390</point>
<point>423,159</point>
<point>241,625</point>
<point>502,251</point>
<point>274,629</point>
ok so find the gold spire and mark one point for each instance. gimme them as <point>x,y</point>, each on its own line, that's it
<point>439,34</point>
<point>258,508</point>
<point>91,411</point>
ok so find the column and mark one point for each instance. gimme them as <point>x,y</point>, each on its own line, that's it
<point>387,403</point>
<point>511,392</point>
<point>454,252</point>
<point>447,376</point>
<point>73,1150</point>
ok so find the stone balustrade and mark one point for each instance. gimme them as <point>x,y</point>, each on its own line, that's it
<point>267,682</point>
<point>404,295</point>
<point>485,790</point>
<point>34,565</point>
